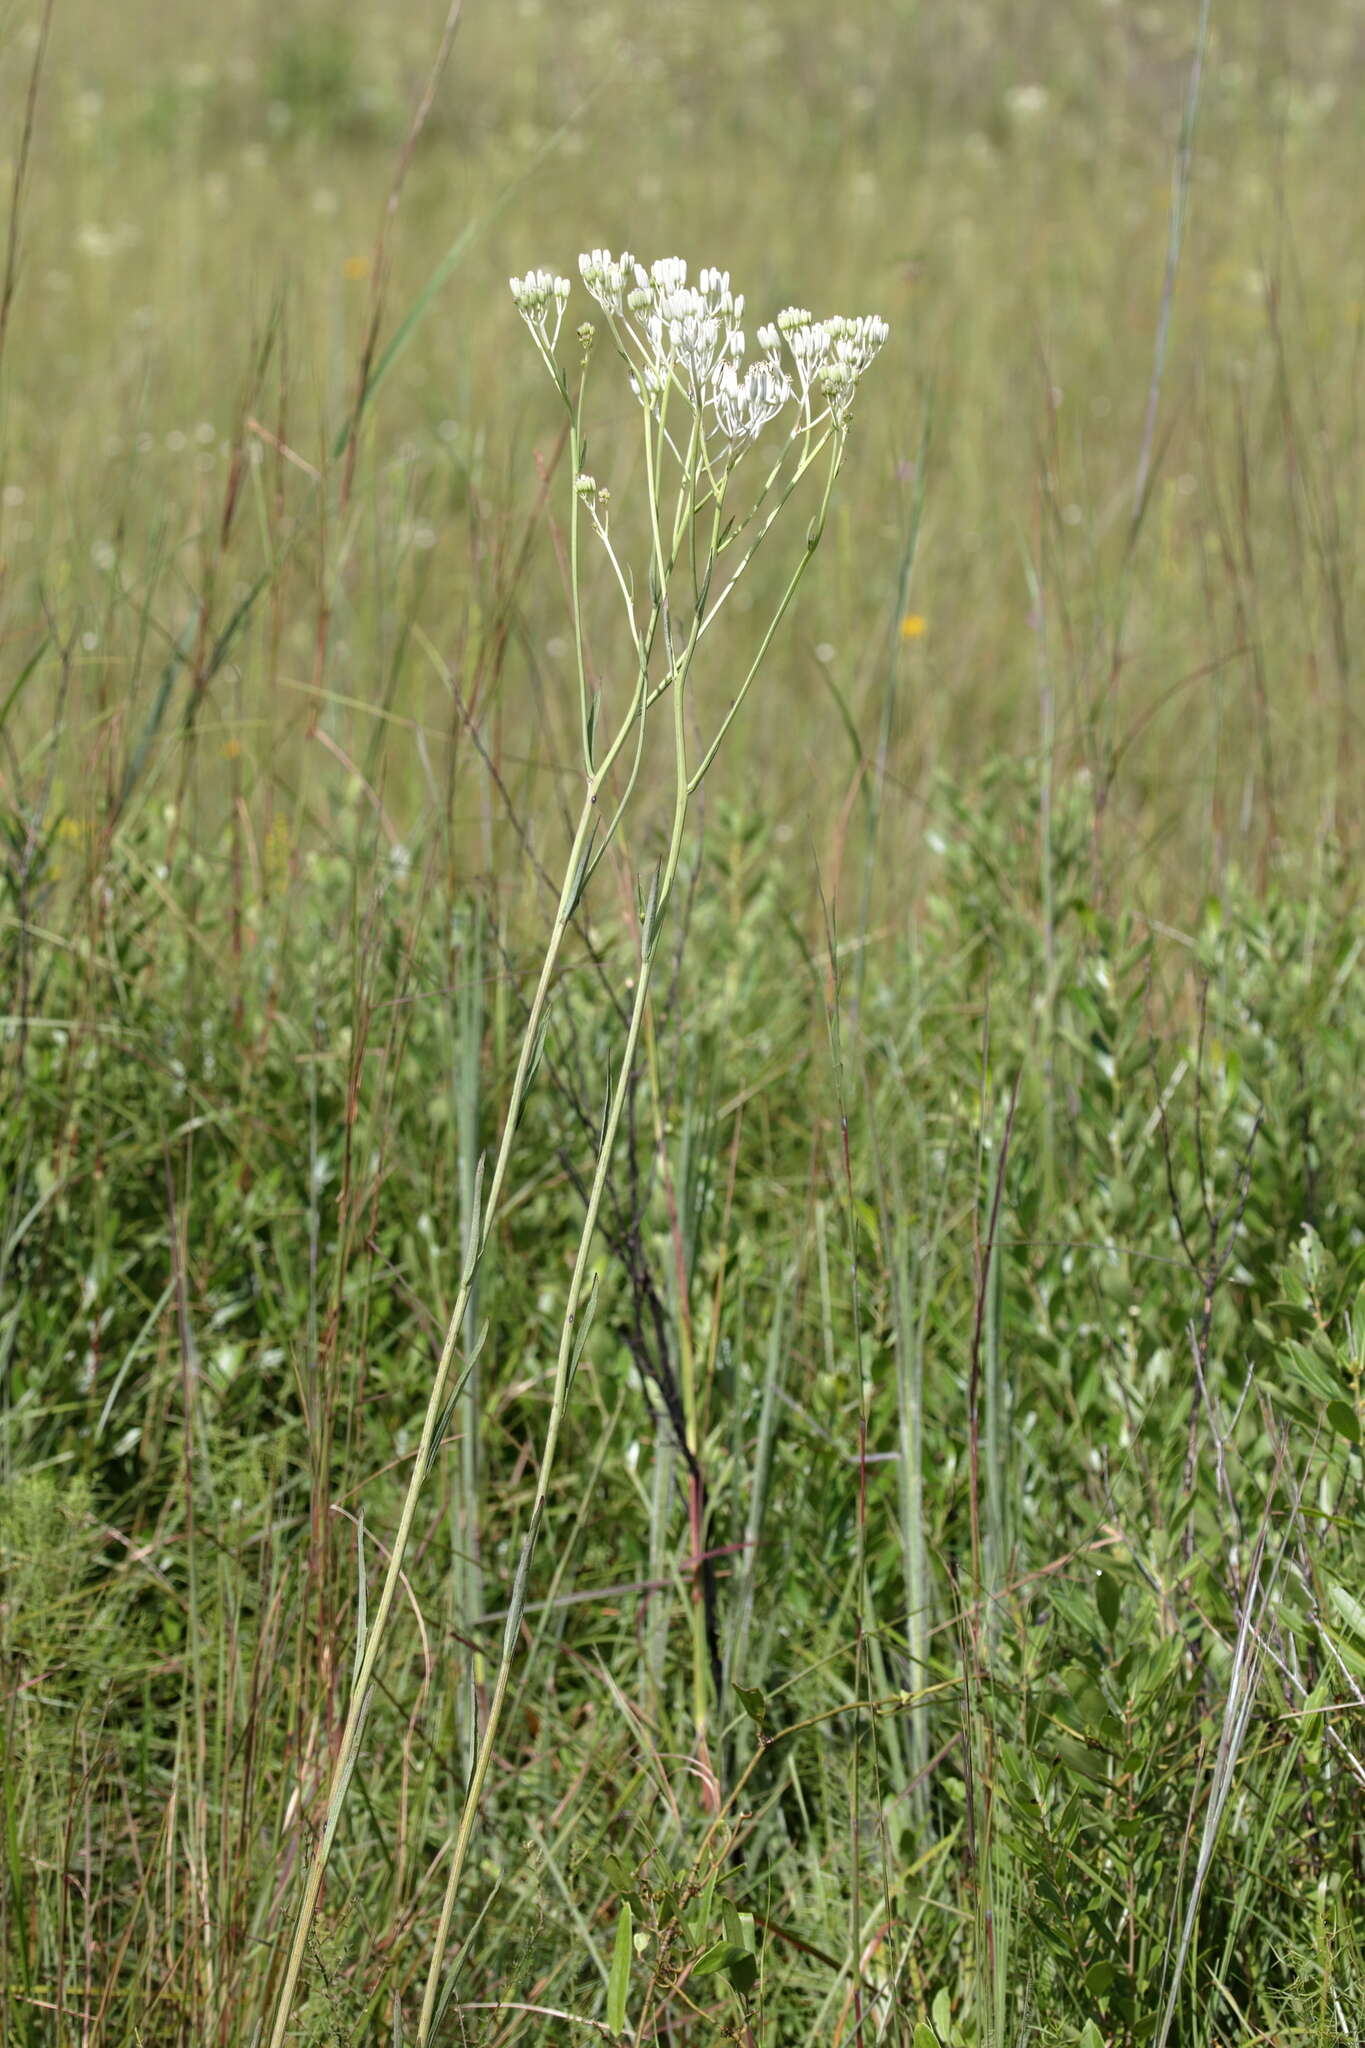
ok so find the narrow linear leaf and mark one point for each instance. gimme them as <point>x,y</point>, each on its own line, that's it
<point>699,1918</point>
<point>19,681</point>
<point>585,1316</point>
<point>618,1983</point>
<point>446,269</point>
<point>146,739</point>
<point>235,623</point>
<point>580,876</point>
<point>649,929</point>
<point>517,1605</point>
<point>472,1243</point>
<point>452,1979</point>
<point>606,1115</point>
<point>537,1054</point>
<point>447,1413</point>
<point>361,1615</point>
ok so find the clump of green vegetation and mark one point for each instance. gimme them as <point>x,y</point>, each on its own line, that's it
<point>1067,1314</point>
<point>936,1618</point>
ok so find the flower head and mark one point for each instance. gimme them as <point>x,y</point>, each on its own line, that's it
<point>537,296</point>
<point>607,276</point>
<point>665,274</point>
<point>828,355</point>
<point>856,341</point>
<point>692,330</point>
<point>809,342</point>
<point>744,404</point>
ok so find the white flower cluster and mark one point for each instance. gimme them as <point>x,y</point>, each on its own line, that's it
<point>829,356</point>
<point>689,337</point>
<point>744,404</point>
<point>536,296</point>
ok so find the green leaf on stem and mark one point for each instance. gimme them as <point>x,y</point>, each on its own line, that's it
<point>618,1983</point>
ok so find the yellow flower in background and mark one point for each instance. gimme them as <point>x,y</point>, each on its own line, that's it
<point>913,627</point>
<point>355,267</point>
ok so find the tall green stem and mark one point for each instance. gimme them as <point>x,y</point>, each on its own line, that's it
<point>558,1403</point>
<point>349,1746</point>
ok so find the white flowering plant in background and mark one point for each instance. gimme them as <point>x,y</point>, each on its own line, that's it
<point>728,436</point>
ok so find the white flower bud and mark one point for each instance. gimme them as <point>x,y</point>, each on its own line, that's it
<point>669,273</point>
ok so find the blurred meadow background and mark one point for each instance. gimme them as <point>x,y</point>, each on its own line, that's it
<point>947,1625</point>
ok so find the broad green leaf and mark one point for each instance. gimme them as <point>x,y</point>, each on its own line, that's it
<point>1349,1609</point>
<point>1344,1420</point>
<point>1108,1600</point>
<point>743,1973</point>
<point>720,1956</point>
<point>755,1706</point>
<point>1311,1371</point>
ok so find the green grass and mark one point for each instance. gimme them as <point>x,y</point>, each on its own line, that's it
<point>946,1623</point>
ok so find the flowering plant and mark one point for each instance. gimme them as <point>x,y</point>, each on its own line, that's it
<point>705,408</point>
